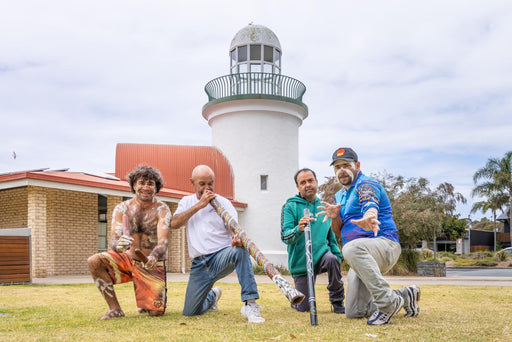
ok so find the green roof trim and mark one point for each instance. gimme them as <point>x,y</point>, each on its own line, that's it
<point>255,97</point>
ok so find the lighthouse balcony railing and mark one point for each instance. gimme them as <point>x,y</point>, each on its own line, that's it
<point>255,83</point>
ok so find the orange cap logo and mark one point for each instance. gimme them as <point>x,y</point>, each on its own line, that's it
<point>340,152</point>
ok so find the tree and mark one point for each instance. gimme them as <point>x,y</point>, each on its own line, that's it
<point>418,211</point>
<point>327,190</point>
<point>450,197</point>
<point>497,177</point>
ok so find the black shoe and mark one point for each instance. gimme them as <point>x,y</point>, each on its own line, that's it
<point>338,307</point>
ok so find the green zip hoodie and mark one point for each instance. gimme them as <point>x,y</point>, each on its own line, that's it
<point>322,237</point>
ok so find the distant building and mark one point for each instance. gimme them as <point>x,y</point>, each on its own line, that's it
<point>505,237</point>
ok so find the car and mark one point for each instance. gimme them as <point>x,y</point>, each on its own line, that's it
<point>507,250</point>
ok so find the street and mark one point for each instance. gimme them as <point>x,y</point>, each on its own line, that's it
<point>478,272</point>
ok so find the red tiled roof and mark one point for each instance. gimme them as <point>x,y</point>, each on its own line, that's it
<point>176,163</point>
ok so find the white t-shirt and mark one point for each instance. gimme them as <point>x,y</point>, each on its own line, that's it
<point>206,232</point>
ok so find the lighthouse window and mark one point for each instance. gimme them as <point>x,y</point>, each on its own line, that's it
<point>255,52</point>
<point>242,67</point>
<point>233,57</point>
<point>267,68</point>
<point>255,67</point>
<point>242,53</point>
<point>268,52</point>
<point>277,57</point>
<point>264,182</point>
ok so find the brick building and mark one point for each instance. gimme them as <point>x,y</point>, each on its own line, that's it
<point>68,214</point>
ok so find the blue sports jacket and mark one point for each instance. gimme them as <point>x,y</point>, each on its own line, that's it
<point>363,194</point>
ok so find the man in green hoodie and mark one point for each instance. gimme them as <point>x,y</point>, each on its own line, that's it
<point>326,253</point>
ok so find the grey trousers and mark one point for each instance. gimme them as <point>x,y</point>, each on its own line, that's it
<point>367,290</point>
<point>330,264</point>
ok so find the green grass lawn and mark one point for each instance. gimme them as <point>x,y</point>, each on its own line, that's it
<point>70,312</point>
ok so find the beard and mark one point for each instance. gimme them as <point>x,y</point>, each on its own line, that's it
<point>350,173</point>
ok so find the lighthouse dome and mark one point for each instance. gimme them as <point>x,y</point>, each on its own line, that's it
<point>255,49</point>
<point>255,34</point>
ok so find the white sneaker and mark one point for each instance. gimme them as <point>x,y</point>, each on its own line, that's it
<point>218,292</point>
<point>380,318</point>
<point>251,310</point>
<point>411,299</point>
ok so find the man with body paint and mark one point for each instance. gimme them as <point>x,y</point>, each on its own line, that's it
<point>362,216</point>
<point>148,221</point>
<point>215,252</point>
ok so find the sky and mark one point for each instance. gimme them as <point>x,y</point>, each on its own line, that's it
<point>417,88</point>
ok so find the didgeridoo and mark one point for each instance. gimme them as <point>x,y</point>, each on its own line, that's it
<point>311,275</point>
<point>292,294</point>
<point>126,225</point>
<point>140,254</point>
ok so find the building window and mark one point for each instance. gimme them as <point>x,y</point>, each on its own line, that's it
<point>102,223</point>
<point>264,182</point>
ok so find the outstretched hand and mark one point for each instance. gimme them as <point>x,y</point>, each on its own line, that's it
<point>329,210</point>
<point>368,223</point>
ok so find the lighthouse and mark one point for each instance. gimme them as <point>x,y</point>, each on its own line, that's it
<point>255,113</point>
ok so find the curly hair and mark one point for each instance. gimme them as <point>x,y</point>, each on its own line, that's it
<point>146,173</point>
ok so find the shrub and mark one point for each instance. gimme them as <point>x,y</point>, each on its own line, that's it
<point>481,255</point>
<point>501,256</point>
<point>446,256</point>
<point>344,266</point>
<point>407,262</point>
<point>426,254</point>
<point>486,262</point>
<point>464,262</point>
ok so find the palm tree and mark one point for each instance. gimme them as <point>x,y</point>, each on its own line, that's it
<point>497,174</point>
<point>495,201</point>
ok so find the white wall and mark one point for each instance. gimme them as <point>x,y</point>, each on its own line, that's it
<point>260,137</point>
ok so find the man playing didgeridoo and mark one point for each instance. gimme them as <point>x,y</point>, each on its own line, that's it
<point>214,251</point>
<point>141,222</point>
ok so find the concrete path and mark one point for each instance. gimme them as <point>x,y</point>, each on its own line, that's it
<point>322,279</point>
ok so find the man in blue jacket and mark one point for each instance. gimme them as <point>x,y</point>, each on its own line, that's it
<point>362,215</point>
<point>326,253</point>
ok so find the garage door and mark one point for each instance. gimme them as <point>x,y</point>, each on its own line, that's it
<point>14,259</point>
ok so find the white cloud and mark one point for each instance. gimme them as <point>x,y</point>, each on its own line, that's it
<point>418,88</point>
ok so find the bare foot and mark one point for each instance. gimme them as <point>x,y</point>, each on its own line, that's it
<point>154,313</point>
<point>114,313</point>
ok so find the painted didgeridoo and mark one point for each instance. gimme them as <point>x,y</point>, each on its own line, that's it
<point>140,254</point>
<point>292,294</point>
<point>309,266</point>
<point>126,225</point>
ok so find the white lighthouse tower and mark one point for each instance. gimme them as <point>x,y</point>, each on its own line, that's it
<point>255,113</point>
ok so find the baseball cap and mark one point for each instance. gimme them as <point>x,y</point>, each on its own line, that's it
<point>344,153</point>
